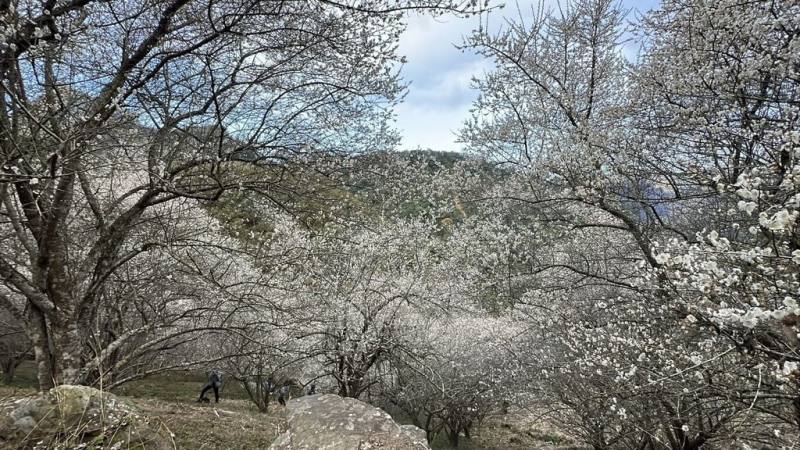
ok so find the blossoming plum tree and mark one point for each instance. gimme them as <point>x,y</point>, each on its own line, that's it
<point>660,198</point>
<point>193,91</point>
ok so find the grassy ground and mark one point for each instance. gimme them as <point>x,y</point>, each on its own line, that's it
<point>509,433</point>
<point>177,386</point>
<point>231,424</point>
<point>236,424</point>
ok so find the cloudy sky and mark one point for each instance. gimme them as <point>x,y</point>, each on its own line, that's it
<point>439,95</point>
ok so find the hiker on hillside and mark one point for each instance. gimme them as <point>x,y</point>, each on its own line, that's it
<point>283,394</point>
<point>214,382</point>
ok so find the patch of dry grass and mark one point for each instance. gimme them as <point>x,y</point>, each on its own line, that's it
<point>230,424</point>
<point>519,433</point>
<point>511,432</point>
<point>13,392</point>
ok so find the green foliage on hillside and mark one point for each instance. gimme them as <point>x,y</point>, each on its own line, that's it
<point>354,194</point>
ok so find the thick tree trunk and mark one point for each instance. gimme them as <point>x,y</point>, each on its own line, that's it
<point>58,356</point>
<point>68,350</point>
<point>37,333</point>
<point>57,349</point>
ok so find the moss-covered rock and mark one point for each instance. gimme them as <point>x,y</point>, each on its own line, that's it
<point>78,417</point>
<point>330,422</point>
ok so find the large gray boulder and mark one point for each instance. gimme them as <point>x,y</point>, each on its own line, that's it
<point>78,417</point>
<point>318,422</point>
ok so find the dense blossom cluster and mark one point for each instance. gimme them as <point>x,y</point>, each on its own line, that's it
<point>662,204</point>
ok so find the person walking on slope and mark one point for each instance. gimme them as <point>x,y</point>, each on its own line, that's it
<point>283,394</point>
<point>214,382</point>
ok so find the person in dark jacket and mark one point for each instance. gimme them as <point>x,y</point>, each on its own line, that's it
<point>283,394</point>
<point>214,382</point>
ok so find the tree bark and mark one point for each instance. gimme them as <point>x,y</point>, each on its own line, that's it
<point>37,333</point>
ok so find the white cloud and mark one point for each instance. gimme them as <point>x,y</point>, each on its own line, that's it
<point>432,39</point>
<point>440,95</point>
<point>430,128</point>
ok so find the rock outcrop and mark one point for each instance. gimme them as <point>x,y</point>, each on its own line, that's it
<point>77,417</point>
<point>321,422</point>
